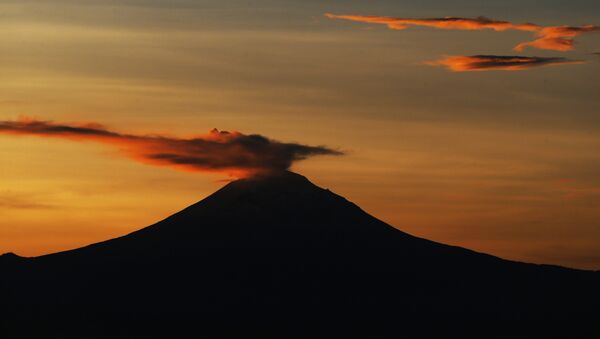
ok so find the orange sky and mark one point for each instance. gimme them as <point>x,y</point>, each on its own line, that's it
<point>500,162</point>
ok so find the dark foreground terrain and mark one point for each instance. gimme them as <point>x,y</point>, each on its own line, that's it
<point>279,257</point>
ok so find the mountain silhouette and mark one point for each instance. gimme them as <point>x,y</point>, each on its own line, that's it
<point>280,257</point>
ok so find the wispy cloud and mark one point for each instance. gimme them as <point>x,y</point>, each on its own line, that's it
<point>558,38</point>
<point>573,189</point>
<point>234,153</point>
<point>12,200</point>
<point>498,62</point>
<point>479,23</point>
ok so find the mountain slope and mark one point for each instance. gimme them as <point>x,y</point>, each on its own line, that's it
<point>281,257</point>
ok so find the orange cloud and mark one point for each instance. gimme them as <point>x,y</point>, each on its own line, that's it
<point>558,38</point>
<point>497,62</point>
<point>234,153</point>
<point>479,23</point>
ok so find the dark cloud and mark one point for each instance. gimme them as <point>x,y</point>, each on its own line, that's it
<point>498,62</point>
<point>234,153</point>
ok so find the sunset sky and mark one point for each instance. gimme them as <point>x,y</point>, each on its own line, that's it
<point>482,130</point>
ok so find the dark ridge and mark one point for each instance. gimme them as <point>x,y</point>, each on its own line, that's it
<point>10,257</point>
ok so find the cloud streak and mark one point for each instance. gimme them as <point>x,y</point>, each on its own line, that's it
<point>498,63</point>
<point>9,200</point>
<point>557,38</point>
<point>470,24</point>
<point>234,153</point>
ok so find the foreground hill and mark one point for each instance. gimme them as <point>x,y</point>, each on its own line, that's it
<point>281,257</point>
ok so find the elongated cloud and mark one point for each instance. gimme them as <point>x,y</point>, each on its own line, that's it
<point>558,38</point>
<point>9,200</point>
<point>479,23</point>
<point>498,63</point>
<point>234,153</point>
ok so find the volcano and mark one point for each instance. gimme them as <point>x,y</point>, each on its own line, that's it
<point>280,257</point>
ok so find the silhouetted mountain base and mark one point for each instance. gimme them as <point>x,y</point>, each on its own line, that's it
<point>279,257</point>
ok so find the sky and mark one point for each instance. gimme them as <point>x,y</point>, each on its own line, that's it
<point>481,132</point>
